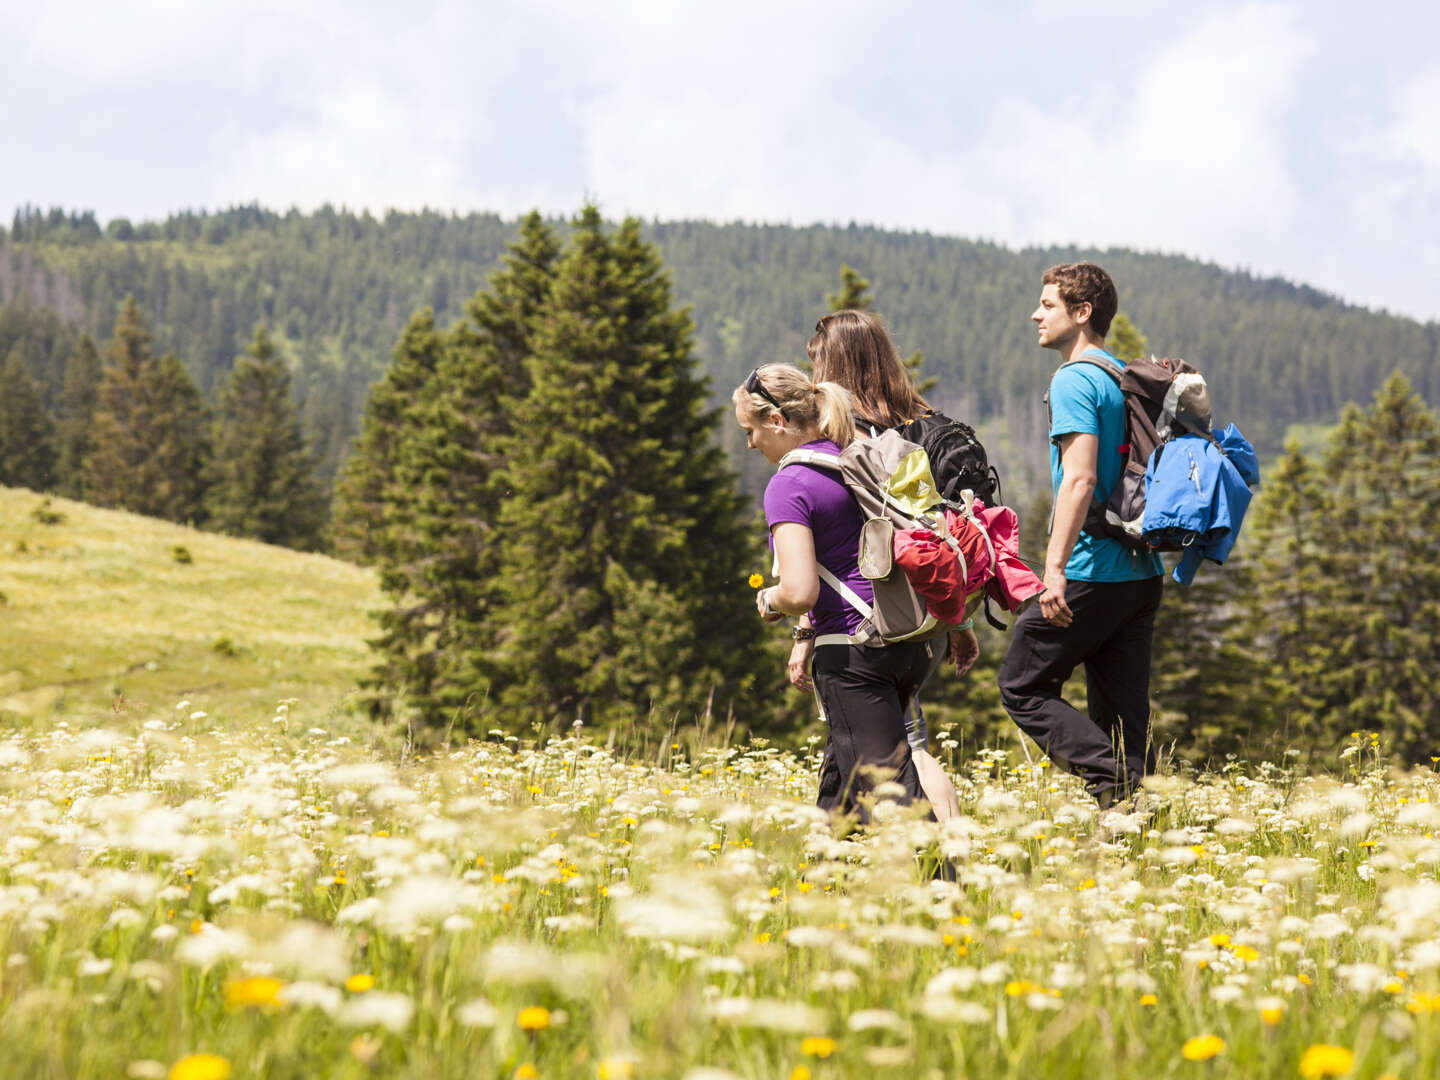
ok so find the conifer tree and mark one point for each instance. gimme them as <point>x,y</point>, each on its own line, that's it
<point>1381,565</point>
<point>27,456</point>
<point>1125,341</point>
<point>854,295</point>
<point>370,514</point>
<point>261,479</point>
<point>78,401</point>
<point>149,439</point>
<point>1286,625</point>
<point>439,636</point>
<point>623,527</point>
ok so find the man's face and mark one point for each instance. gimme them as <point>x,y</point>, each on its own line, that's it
<point>1057,326</point>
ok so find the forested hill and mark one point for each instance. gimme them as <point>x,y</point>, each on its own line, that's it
<point>336,287</point>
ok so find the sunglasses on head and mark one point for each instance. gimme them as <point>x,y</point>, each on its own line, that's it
<point>753,385</point>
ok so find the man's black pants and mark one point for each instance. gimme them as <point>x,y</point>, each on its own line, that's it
<point>1110,634</point>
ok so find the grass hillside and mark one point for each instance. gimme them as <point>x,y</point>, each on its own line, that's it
<point>101,613</point>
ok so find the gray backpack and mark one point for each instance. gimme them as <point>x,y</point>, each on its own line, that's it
<point>891,480</point>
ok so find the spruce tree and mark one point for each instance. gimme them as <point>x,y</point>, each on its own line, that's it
<point>173,482</point>
<point>439,636</point>
<point>1125,341</point>
<point>1286,626</point>
<point>854,295</point>
<point>149,439</point>
<point>27,456</point>
<point>78,401</point>
<point>371,515</point>
<point>622,530</point>
<point>1381,565</point>
<point>261,480</point>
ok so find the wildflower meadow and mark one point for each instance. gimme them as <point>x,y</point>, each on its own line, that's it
<point>191,896</point>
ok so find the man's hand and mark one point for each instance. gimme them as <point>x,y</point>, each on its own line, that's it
<point>964,650</point>
<point>799,666</point>
<point>1052,600</point>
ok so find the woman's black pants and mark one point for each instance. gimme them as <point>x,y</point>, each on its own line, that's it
<point>865,692</point>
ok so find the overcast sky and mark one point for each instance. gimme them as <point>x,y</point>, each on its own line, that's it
<point>1300,139</point>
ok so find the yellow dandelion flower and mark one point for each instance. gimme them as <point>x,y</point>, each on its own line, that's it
<point>1202,1048</point>
<point>1149,999</point>
<point>1271,1015</point>
<point>800,1072</point>
<point>533,1018</point>
<point>256,991</point>
<point>817,1046</point>
<point>1219,940</point>
<point>360,982</point>
<point>1245,953</point>
<point>756,580</point>
<point>200,1067</point>
<point>1322,1059</point>
<point>616,1069</point>
<point>527,1072</point>
<point>1423,1003</point>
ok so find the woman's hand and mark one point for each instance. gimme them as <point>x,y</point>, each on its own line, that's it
<point>799,666</point>
<point>762,605</point>
<point>964,650</point>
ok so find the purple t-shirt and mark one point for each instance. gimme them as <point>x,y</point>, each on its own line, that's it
<point>814,496</point>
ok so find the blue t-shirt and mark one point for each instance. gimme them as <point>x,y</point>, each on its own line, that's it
<point>815,496</point>
<point>1085,400</point>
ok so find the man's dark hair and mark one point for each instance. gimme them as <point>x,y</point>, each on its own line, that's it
<point>1086,283</point>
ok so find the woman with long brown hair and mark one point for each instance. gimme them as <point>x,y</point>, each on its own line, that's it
<point>854,350</point>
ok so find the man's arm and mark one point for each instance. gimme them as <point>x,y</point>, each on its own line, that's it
<point>1079,461</point>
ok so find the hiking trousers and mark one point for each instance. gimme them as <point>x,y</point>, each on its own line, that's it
<point>1110,634</point>
<point>864,693</point>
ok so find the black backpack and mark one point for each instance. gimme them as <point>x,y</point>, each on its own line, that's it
<point>957,459</point>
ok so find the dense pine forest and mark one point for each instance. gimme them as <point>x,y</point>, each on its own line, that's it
<point>335,288</point>
<point>517,425</point>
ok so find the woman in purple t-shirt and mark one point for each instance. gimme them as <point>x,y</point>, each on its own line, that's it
<point>815,521</point>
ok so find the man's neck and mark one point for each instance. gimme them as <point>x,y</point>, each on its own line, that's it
<point>1079,344</point>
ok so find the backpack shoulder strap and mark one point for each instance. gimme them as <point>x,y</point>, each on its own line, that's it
<point>849,595</point>
<point>802,456</point>
<point>1100,360</point>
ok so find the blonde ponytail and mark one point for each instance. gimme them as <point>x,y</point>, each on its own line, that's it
<point>834,417</point>
<point>824,406</point>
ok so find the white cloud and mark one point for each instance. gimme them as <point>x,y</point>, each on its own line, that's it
<point>91,43</point>
<point>361,146</point>
<point>1415,131</point>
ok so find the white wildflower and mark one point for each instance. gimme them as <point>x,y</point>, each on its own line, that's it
<point>376,1009</point>
<point>304,994</point>
<point>876,1019</point>
<point>478,1013</point>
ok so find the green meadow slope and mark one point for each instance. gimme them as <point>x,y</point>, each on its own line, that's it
<point>102,614</point>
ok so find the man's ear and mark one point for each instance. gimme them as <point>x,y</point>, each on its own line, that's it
<point>1081,311</point>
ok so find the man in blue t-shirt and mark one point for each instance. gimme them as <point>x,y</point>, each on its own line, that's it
<point>1100,598</point>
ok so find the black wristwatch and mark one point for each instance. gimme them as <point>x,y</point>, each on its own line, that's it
<point>803,633</point>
